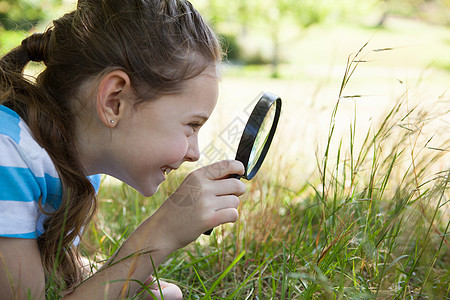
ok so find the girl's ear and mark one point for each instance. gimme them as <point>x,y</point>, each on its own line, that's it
<point>113,92</point>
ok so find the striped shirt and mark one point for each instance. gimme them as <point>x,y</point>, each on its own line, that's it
<point>27,176</point>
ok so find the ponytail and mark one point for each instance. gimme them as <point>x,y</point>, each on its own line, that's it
<point>13,84</point>
<point>36,46</point>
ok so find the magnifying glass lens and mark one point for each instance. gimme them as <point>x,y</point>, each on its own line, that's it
<point>261,139</point>
<point>257,135</point>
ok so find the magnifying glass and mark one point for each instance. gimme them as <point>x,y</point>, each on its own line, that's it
<point>257,136</point>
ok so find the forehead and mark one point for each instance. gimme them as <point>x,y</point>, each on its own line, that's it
<point>202,90</point>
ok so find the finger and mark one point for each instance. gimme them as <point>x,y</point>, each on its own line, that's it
<point>225,202</point>
<point>223,169</point>
<point>169,290</point>
<point>227,215</point>
<point>229,186</point>
<point>154,294</point>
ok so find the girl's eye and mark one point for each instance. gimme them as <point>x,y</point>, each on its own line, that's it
<point>195,126</point>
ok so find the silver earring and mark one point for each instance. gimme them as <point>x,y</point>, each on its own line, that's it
<point>111,121</point>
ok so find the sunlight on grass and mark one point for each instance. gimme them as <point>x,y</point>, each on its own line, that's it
<point>371,221</point>
<point>353,199</point>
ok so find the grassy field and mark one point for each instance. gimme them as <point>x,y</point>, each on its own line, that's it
<point>353,199</point>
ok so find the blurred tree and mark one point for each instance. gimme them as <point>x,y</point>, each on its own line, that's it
<point>305,13</point>
<point>19,15</point>
<point>235,17</point>
<point>271,14</point>
<point>242,12</point>
<point>25,14</point>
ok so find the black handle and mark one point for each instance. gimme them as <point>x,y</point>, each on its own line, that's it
<point>208,232</point>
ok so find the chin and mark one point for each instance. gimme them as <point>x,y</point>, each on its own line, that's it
<point>149,190</point>
<point>146,188</point>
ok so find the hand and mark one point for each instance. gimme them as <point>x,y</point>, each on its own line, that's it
<point>205,199</point>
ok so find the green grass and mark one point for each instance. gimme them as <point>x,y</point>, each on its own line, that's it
<point>371,222</point>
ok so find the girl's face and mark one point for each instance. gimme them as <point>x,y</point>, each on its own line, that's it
<point>158,136</point>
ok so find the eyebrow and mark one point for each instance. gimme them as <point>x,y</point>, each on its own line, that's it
<point>204,118</point>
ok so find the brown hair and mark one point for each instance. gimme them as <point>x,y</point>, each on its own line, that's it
<point>158,43</point>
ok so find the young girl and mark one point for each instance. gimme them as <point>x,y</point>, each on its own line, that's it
<point>126,88</point>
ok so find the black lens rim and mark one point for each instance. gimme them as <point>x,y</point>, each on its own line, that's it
<point>252,128</point>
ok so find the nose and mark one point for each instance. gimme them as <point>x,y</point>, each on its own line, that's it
<point>193,153</point>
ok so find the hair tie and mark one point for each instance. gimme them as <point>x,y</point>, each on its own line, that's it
<point>36,46</point>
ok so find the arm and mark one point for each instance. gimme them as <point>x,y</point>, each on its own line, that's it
<point>206,199</point>
<point>174,225</point>
<point>131,264</point>
<point>22,274</point>
<point>21,271</point>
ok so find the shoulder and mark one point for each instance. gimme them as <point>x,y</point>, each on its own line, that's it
<point>22,157</point>
<point>19,148</point>
<point>29,180</point>
<point>27,177</point>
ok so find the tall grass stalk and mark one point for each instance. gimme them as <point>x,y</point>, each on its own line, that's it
<point>372,222</point>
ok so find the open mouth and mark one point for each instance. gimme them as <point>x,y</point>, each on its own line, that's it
<point>166,170</point>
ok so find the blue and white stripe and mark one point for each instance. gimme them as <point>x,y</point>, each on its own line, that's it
<point>27,174</point>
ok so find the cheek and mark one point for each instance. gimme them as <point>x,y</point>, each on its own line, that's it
<point>176,150</point>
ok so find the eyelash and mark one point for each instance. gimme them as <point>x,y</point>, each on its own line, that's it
<point>195,126</point>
